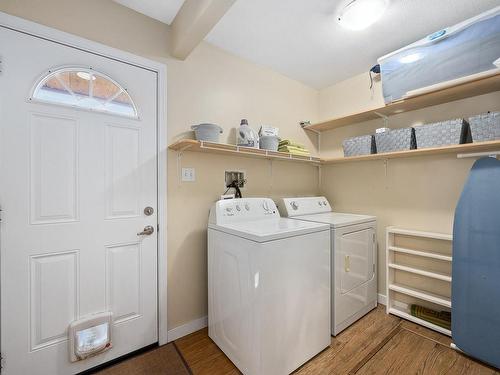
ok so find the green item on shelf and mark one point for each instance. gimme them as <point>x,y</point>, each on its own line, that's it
<point>294,150</point>
<point>287,142</point>
<point>439,318</point>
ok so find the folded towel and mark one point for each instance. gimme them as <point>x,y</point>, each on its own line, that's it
<point>294,151</point>
<point>439,318</point>
<point>287,142</point>
<point>292,148</point>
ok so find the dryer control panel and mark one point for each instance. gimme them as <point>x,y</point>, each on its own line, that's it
<point>290,207</point>
<point>244,209</point>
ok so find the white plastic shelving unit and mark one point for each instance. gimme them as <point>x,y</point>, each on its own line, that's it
<point>413,292</point>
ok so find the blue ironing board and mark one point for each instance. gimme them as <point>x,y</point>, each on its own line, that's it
<point>476,264</point>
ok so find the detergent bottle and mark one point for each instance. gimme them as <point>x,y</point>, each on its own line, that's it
<point>247,137</point>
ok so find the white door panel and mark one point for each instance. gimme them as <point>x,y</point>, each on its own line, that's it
<point>355,281</point>
<point>53,168</point>
<point>73,187</point>
<point>356,253</point>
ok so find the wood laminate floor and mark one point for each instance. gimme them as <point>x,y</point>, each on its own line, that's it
<point>376,344</point>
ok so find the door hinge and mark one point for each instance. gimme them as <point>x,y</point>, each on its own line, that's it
<point>373,237</point>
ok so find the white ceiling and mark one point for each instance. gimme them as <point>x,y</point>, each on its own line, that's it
<point>162,10</point>
<point>302,40</point>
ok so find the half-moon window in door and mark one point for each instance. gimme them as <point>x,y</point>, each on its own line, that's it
<point>86,89</point>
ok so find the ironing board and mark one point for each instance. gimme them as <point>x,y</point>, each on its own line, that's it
<point>476,264</point>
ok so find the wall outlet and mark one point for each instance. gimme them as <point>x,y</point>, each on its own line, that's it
<point>188,175</point>
<point>230,176</point>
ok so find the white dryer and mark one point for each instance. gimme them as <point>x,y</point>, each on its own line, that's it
<point>354,257</point>
<point>268,286</point>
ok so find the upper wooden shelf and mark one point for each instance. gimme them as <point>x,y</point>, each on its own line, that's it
<point>465,148</point>
<point>223,148</point>
<point>461,91</point>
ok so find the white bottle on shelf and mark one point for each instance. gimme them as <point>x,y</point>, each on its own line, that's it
<point>247,137</point>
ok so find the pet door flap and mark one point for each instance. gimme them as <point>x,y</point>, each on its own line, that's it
<point>90,336</point>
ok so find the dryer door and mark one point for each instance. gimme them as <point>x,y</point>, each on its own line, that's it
<point>355,257</point>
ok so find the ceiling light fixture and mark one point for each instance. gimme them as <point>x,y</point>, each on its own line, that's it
<point>359,14</point>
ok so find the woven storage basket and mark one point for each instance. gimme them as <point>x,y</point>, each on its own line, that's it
<point>485,127</point>
<point>395,140</point>
<point>450,132</point>
<point>363,145</point>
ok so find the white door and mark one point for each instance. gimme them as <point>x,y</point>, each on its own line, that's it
<point>74,184</point>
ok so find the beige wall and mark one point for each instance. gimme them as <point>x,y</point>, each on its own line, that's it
<point>417,193</point>
<point>210,86</point>
<point>350,96</point>
<point>214,86</point>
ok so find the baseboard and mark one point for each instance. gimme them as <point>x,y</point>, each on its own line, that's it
<point>382,299</point>
<point>186,329</point>
<point>197,324</point>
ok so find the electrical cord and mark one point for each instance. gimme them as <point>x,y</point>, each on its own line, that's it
<point>234,185</point>
<point>376,70</point>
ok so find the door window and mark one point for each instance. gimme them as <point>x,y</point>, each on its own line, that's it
<point>84,88</point>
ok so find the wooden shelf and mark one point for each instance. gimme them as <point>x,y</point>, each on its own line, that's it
<point>465,148</point>
<point>226,149</point>
<point>222,148</point>
<point>425,254</point>
<point>417,271</point>
<point>465,90</point>
<point>405,315</point>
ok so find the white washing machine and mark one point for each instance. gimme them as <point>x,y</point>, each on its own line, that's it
<point>354,257</point>
<point>268,286</point>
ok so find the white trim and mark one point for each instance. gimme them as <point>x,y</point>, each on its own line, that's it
<point>57,36</point>
<point>162,174</point>
<point>419,233</point>
<point>186,329</point>
<point>382,299</point>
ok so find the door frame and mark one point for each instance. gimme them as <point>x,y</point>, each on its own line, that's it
<point>39,31</point>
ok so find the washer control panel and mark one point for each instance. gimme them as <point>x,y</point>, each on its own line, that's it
<point>244,209</point>
<point>290,207</point>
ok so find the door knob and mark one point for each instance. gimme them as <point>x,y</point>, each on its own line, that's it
<point>148,230</point>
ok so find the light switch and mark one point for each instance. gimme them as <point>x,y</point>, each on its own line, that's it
<point>188,175</point>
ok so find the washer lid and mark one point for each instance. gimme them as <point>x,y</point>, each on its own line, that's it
<point>270,229</point>
<point>337,219</point>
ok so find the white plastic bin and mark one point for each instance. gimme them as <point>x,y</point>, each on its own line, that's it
<point>207,132</point>
<point>468,48</point>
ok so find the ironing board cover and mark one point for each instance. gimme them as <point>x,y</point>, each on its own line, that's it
<point>476,264</point>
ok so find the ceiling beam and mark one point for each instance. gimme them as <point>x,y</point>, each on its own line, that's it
<point>193,22</point>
